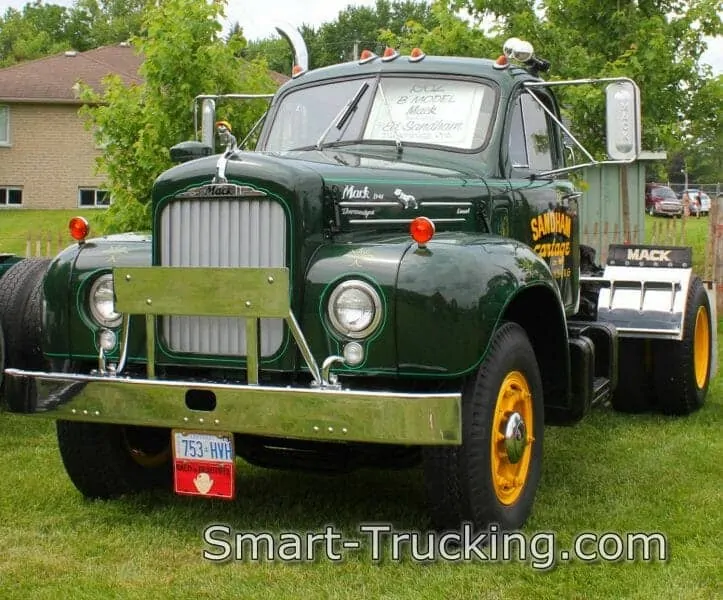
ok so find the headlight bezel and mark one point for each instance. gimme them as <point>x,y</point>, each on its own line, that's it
<point>340,328</point>
<point>98,316</point>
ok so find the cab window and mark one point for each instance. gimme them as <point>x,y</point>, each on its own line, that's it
<point>530,135</point>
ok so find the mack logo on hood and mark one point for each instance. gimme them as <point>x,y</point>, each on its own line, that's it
<point>352,192</point>
<point>221,190</point>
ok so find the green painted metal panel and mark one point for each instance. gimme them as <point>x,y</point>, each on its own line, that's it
<point>603,218</point>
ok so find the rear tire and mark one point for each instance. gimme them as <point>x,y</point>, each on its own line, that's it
<point>21,305</point>
<point>107,461</point>
<point>2,358</point>
<point>634,392</point>
<point>682,368</point>
<point>482,481</point>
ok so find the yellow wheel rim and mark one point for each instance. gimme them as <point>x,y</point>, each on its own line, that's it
<point>514,403</point>
<point>701,347</point>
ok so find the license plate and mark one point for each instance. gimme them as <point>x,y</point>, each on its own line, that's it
<point>203,464</point>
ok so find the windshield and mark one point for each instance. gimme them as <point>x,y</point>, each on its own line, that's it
<point>665,193</point>
<point>410,110</point>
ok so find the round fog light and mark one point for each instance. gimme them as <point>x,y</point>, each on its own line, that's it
<point>353,354</point>
<point>107,339</point>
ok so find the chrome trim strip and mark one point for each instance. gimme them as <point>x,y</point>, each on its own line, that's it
<point>399,221</point>
<point>320,414</point>
<point>367,204</point>
<point>125,329</point>
<point>452,204</point>
<point>372,204</point>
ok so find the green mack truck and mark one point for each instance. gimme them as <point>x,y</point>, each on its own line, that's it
<point>392,278</point>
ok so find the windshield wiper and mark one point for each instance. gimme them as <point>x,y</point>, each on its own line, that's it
<point>397,140</point>
<point>343,116</point>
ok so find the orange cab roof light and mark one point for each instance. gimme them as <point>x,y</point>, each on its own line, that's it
<point>501,62</point>
<point>389,54</point>
<point>416,55</point>
<point>79,229</point>
<point>366,56</point>
<point>297,70</point>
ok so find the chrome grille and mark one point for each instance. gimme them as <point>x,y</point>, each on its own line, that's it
<point>229,232</point>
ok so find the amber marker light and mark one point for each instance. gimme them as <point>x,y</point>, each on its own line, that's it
<point>79,228</point>
<point>501,62</point>
<point>297,70</point>
<point>389,54</point>
<point>416,55</point>
<point>422,230</point>
<point>366,55</point>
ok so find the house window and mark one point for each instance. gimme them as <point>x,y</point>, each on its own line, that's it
<point>89,197</point>
<point>11,196</point>
<point>4,126</point>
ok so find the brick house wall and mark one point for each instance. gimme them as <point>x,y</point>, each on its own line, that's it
<point>50,156</point>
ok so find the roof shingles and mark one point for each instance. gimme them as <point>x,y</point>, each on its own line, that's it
<point>52,79</point>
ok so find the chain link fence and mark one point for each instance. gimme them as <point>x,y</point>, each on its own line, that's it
<point>712,189</point>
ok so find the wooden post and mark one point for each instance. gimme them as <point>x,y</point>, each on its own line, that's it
<point>625,200</point>
<point>716,225</point>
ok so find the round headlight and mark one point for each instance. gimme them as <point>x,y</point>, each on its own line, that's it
<point>102,305</point>
<point>355,309</point>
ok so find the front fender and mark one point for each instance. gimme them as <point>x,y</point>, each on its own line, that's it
<point>69,332</point>
<point>451,296</point>
<point>374,260</point>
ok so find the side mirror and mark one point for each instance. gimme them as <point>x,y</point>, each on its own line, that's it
<point>191,150</point>
<point>208,122</point>
<point>622,108</point>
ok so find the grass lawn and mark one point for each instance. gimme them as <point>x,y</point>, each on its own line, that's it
<point>612,472</point>
<point>669,233</point>
<point>16,225</point>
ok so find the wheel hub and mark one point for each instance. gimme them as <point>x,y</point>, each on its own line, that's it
<point>515,437</point>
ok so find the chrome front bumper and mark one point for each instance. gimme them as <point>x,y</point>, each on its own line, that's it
<point>321,414</point>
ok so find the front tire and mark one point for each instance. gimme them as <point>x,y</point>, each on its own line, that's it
<point>21,305</point>
<point>107,461</point>
<point>493,476</point>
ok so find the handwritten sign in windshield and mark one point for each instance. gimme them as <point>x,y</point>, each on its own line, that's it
<point>427,111</point>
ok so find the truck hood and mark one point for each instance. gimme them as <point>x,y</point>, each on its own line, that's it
<point>349,189</point>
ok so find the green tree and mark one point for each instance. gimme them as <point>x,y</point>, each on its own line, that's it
<point>35,31</point>
<point>184,55</point>
<point>95,23</point>
<point>658,43</point>
<point>42,29</point>
<point>442,33</point>
<point>355,28</point>
<point>702,135</point>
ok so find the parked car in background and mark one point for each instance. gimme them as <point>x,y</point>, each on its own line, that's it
<point>661,200</point>
<point>699,202</point>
